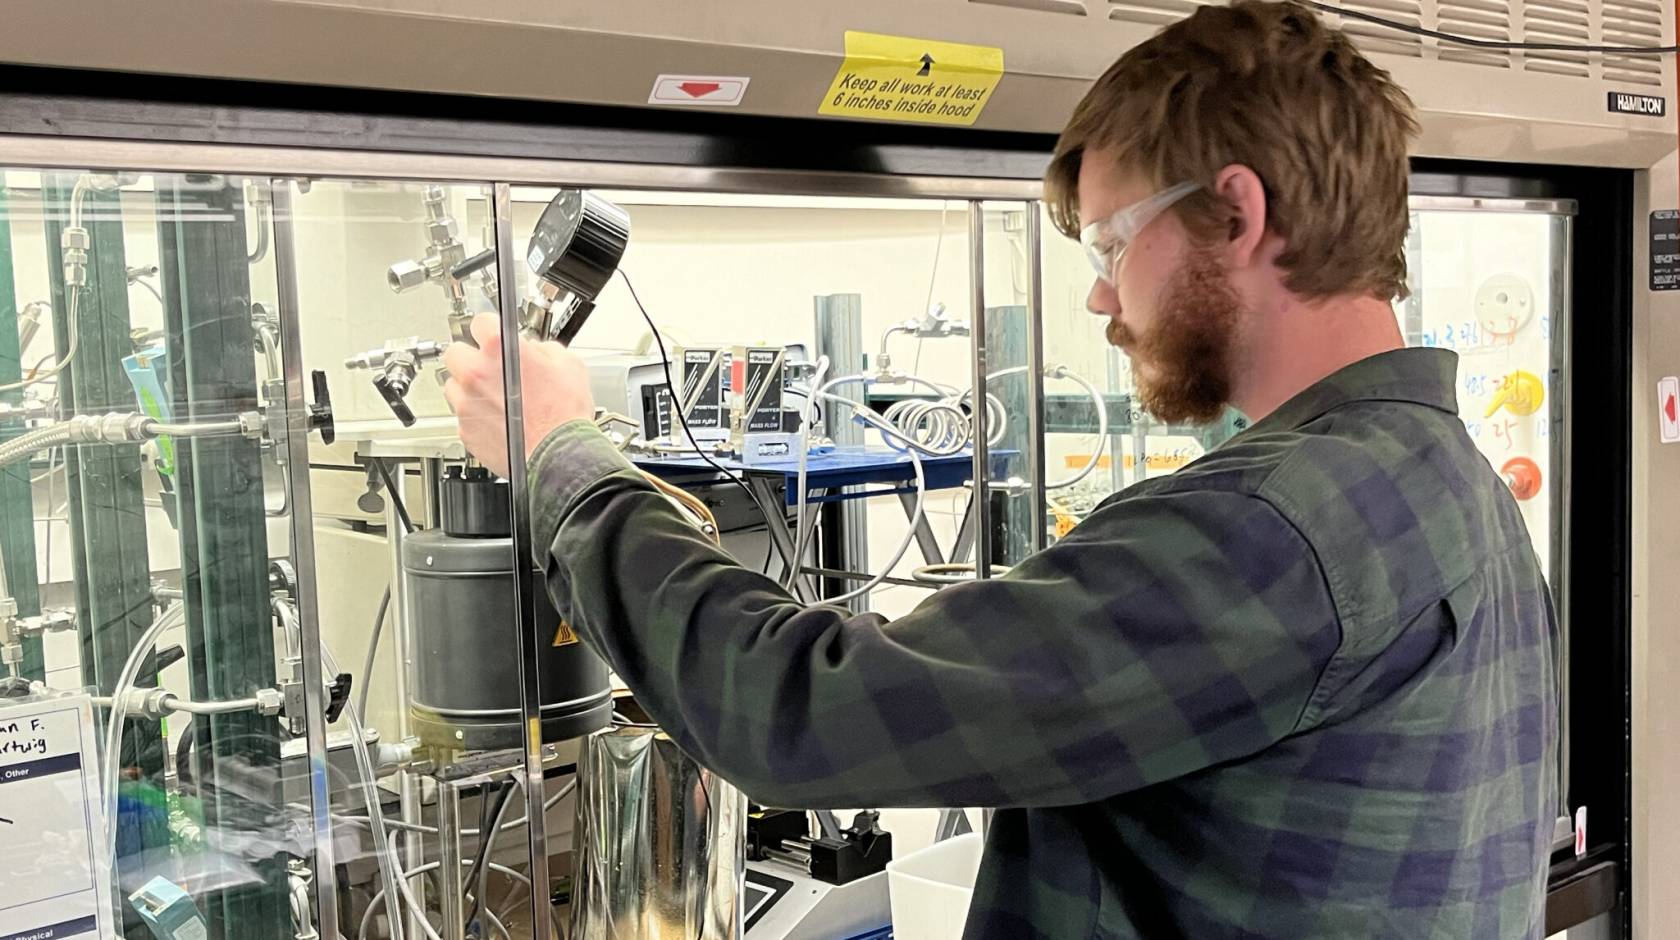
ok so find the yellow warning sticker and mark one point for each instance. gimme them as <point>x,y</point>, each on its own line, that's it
<point>565,635</point>
<point>895,78</point>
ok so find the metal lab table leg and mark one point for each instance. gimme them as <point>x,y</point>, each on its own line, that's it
<point>952,823</point>
<point>925,538</point>
<point>776,525</point>
<point>964,546</point>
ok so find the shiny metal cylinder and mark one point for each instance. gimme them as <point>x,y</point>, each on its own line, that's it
<point>660,845</point>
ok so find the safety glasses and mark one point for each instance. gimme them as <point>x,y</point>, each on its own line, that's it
<point>1106,242</point>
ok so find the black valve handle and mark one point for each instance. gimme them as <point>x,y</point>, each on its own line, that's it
<point>321,413</point>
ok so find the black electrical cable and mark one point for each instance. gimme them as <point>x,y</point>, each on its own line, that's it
<point>373,650</point>
<point>396,495</point>
<point>183,754</point>
<point>1486,43</point>
<point>665,360</point>
<point>470,891</point>
<point>486,837</point>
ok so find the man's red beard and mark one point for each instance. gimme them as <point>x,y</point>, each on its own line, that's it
<point>1182,367</point>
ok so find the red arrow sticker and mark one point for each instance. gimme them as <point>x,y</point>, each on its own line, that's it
<point>699,90</point>
<point>1668,409</point>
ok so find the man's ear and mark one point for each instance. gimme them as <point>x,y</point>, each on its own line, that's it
<point>1240,189</point>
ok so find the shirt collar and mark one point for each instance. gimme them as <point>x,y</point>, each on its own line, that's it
<point>1420,376</point>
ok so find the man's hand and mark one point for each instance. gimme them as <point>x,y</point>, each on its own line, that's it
<point>555,382</point>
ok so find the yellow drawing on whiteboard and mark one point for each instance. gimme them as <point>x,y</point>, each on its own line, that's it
<point>895,78</point>
<point>1521,393</point>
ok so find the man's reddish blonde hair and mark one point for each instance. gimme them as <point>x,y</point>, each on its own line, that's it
<point>1271,87</point>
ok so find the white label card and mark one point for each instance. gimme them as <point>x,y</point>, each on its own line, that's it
<point>54,879</point>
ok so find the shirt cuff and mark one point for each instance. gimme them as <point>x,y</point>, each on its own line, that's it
<point>567,462</point>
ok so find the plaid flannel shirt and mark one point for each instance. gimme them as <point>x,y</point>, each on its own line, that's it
<point>1304,687</point>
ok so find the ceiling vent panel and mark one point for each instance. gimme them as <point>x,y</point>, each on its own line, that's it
<point>1374,38</point>
<point>1152,12</point>
<point>1488,20</point>
<point>1560,21</point>
<point>1067,7</point>
<point>1633,23</point>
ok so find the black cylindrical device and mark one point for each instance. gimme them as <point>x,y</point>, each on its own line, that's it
<point>463,606</point>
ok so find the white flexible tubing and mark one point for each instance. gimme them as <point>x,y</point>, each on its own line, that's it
<point>374,904</point>
<point>797,561</point>
<point>908,442</point>
<point>890,431</point>
<point>1097,400</point>
<point>412,902</point>
<point>389,871</point>
<point>1063,372</point>
<point>119,713</point>
<point>863,412</point>
<point>41,375</point>
<point>74,293</point>
<point>800,532</point>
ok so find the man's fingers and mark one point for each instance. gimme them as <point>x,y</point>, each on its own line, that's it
<point>487,332</point>
<point>457,358</point>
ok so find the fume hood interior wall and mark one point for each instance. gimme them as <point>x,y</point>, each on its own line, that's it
<point>708,273</point>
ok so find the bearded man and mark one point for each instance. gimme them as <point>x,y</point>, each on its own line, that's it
<point>1304,687</point>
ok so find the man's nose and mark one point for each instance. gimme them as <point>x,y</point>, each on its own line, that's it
<point>1103,300</point>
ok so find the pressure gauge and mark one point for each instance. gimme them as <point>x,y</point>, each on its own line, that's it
<point>574,251</point>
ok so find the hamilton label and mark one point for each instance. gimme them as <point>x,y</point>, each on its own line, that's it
<point>1622,102</point>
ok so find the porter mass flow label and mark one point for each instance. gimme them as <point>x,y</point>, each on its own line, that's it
<point>895,78</point>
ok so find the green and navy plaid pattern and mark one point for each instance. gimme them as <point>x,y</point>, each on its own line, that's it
<point>1305,687</point>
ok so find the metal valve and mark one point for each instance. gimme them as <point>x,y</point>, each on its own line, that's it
<point>444,251</point>
<point>396,364</point>
<point>29,409</point>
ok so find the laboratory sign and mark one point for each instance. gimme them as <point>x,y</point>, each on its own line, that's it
<point>895,78</point>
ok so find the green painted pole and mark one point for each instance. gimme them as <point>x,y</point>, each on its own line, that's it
<point>17,504</point>
<point>224,544</point>
<point>108,546</point>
